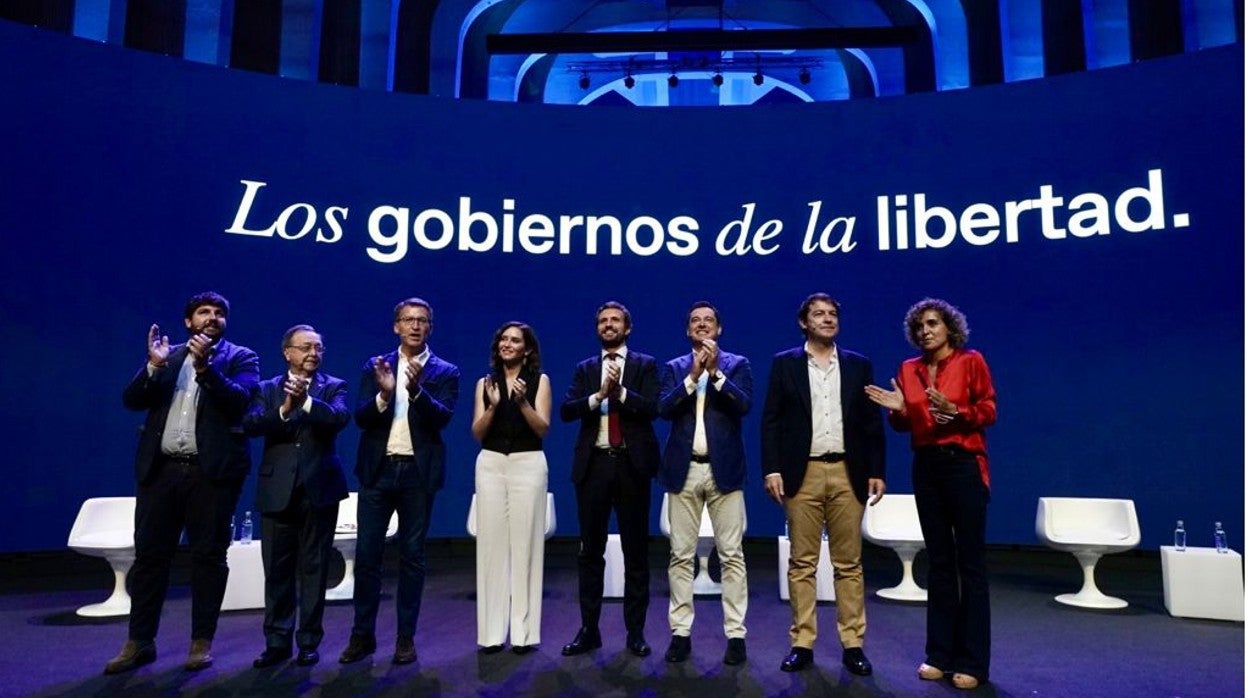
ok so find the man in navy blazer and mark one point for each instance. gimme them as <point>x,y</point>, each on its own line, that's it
<point>614,395</point>
<point>191,461</point>
<point>299,413</point>
<point>823,455</point>
<point>406,398</point>
<point>705,394</point>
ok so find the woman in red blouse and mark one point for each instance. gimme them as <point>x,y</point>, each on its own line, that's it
<point>945,399</point>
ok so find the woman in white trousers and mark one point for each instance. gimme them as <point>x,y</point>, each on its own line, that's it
<point>511,414</point>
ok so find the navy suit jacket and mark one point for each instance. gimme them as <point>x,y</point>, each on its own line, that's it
<point>787,429</point>
<point>300,450</point>
<point>721,416</point>
<point>225,391</point>
<point>427,415</point>
<point>637,411</point>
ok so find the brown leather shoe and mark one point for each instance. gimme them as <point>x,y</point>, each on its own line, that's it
<point>404,651</point>
<point>358,647</point>
<point>200,656</point>
<point>132,656</point>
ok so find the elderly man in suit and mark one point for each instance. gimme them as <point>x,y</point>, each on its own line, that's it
<point>823,456</point>
<point>406,398</point>
<point>299,413</point>
<point>191,462</point>
<point>614,395</point>
<point>705,394</point>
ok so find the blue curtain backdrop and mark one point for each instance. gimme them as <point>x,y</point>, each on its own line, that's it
<point>1110,310</point>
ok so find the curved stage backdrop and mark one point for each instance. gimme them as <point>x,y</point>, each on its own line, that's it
<point>1090,226</point>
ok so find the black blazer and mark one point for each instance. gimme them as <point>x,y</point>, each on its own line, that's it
<point>225,391</point>
<point>300,450</point>
<point>637,412</point>
<point>426,417</point>
<point>787,421</point>
<point>722,414</point>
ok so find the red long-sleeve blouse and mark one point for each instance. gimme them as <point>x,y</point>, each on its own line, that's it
<point>962,377</point>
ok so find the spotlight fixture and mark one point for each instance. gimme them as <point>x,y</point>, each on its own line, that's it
<point>717,79</point>
<point>584,81</point>
<point>758,77</point>
<point>804,76</point>
<point>672,80</point>
<point>629,82</point>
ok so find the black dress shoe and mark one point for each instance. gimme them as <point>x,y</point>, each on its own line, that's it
<point>586,639</point>
<point>490,649</point>
<point>359,647</point>
<point>404,651</point>
<point>522,649</point>
<point>271,656</point>
<point>735,654</point>
<point>799,658</point>
<point>679,650</point>
<point>637,645</point>
<point>307,657</point>
<point>132,656</point>
<point>856,661</point>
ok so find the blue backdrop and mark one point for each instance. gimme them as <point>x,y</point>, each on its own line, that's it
<point>1090,226</point>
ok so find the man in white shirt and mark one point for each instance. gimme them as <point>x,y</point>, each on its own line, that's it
<point>823,457</point>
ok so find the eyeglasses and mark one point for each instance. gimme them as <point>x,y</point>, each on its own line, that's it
<point>308,348</point>
<point>419,320</point>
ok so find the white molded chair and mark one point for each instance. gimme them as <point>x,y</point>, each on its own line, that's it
<point>1088,528</point>
<point>894,523</point>
<point>105,528</point>
<point>344,543</point>
<point>550,516</point>
<point>702,582</point>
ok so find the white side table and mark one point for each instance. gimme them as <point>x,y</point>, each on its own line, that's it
<point>824,589</point>
<point>245,587</point>
<point>1203,583</point>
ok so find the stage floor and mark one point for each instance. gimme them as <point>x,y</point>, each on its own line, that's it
<point>1040,648</point>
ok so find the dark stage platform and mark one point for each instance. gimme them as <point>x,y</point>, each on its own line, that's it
<point>1040,648</point>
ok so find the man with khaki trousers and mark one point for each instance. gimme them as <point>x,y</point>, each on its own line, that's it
<point>705,394</point>
<point>823,456</point>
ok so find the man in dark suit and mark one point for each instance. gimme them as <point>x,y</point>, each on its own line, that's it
<point>823,455</point>
<point>614,394</point>
<point>705,394</point>
<point>190,465</point>
<point>406,398</point>
<point>299,413</point>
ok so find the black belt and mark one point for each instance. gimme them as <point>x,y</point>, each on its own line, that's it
<point>944,450</point>
<point>829,457</point>
<point>612,452</point>
<point>396,458</point>
<point>184,459</point>
<point>700,459</point>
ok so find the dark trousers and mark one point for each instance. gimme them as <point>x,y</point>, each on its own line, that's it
<point>178,496</point>
<point>953,506</point>
<point>401,487</point>
<point>295,545</point>
<point>611,483</point>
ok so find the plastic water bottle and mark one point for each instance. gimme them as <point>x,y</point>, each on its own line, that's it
<point>245,538</point>
<point>1219,537</point>
<point>1180,537</point>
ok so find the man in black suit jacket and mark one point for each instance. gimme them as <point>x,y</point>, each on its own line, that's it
<point>406,398</point>
<point>823,455</point>
<point>191,461</point>
<point>614,394</point>
<point>299,413</point>
<point>705,393</point>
